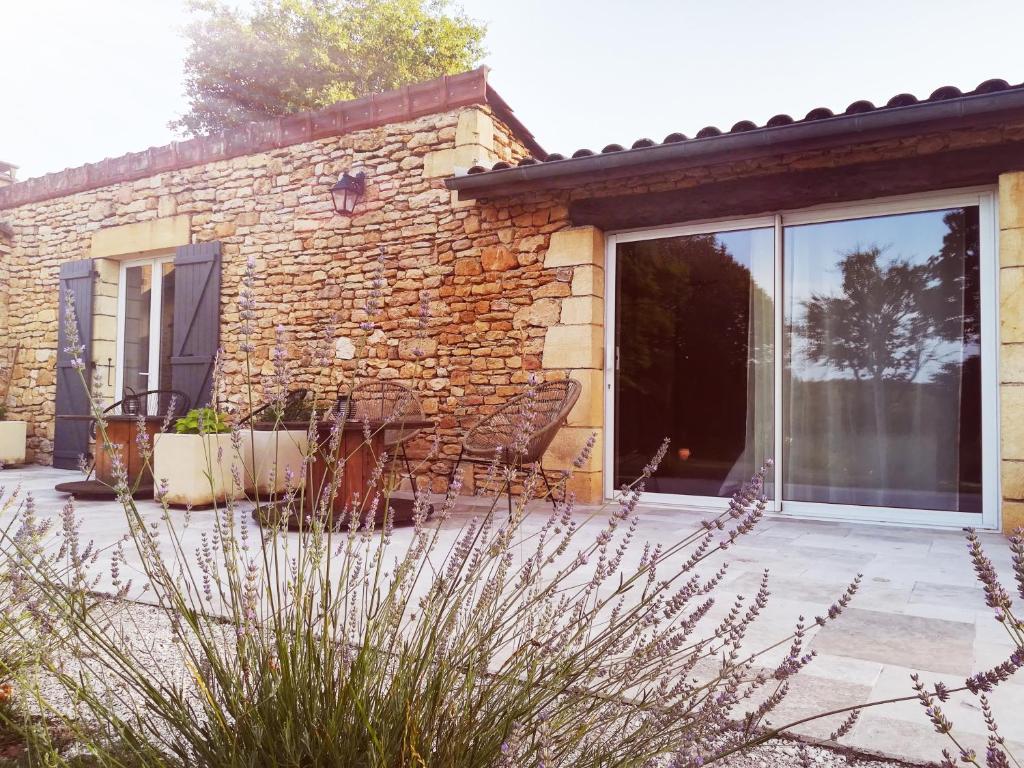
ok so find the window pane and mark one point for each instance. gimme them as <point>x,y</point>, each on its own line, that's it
<point>138,294</point>
<point>694,340</point>
<point>882,367</point>
<point>166,323</point>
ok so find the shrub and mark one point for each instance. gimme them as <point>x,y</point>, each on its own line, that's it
<point>552,638</point>
<point>202,421</point>
<point>998,753</point>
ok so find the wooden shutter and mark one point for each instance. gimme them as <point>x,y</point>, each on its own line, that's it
<point>196,320</point>
<point>71,438</point>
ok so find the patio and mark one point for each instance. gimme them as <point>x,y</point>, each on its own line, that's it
<point>919,609</point>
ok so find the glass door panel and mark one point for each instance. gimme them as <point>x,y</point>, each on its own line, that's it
<point>138,302</point>
<point>882,362</point>
<point>694,359</point>
<point>166,323</point>
<point>146,327</point>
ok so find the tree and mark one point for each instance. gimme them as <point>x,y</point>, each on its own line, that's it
<point>286,56</point>
<point>893,321</point>
<point>898,328</point>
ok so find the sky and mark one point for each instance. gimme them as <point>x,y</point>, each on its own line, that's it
<point>81,81</point>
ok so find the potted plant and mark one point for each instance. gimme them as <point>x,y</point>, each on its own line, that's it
<point>12,439</point>
<point>200,464</point>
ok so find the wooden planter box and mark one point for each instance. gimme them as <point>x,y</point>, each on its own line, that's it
<point>12,441</point>
<point>198,468</point>
<point>273,453</point>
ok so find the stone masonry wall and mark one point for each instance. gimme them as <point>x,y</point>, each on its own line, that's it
<point>1011,348</point>
<point>512,287</point>
<point>480,267</point>
<point>5,337</point>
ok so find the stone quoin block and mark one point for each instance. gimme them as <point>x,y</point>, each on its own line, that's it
<point>575,246</point>
<point>573,346</point>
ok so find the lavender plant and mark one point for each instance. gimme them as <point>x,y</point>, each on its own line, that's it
<point>29,637</point>
<point>473,637</point>
<point>998,752</point>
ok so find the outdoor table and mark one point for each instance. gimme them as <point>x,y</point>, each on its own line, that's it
<point>360,456</point>
<point>122,430</point>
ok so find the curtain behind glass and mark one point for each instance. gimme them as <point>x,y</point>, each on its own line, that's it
<point>881,373</point>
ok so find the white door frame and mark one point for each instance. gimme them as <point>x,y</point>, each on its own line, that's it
<point>155,314</point>
<point>986,200</point>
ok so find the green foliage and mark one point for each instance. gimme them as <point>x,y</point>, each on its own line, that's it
<point>202,421</point>
<point>291,55</point>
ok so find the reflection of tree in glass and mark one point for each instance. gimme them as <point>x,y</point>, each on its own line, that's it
<point>684,340</point>
<point>893,318</point>
<point>902,338</point>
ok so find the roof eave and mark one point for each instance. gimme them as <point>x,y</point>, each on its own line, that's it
<point>963,112</point>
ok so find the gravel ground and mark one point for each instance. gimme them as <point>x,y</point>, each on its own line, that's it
<point>784,754</point>
<point>148,630</point>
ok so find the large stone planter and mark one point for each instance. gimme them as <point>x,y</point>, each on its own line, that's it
<point>12,441</point>
<point>273,454</point>
<point>199,469</point>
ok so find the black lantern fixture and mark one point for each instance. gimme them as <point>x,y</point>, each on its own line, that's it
<point>347,191</point>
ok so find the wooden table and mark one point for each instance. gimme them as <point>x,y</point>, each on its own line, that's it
<point>122,430</point>
<point>360,456</point>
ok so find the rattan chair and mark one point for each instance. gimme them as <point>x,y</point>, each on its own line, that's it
<point>293,402</point>
<point>520,431</point>
<point>390,402</point>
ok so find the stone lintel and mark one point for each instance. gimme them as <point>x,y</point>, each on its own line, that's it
<point>152,235</point>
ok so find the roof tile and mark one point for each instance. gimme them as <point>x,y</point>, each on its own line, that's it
<point>819,113</point>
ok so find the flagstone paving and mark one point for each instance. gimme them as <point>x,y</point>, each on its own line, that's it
<point>919,610</point>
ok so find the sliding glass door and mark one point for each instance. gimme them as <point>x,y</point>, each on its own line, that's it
<point>875,405</point>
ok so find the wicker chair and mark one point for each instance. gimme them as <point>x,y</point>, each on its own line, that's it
<point>390,402</point>
<point>520,431</point>
<point>293,401</point>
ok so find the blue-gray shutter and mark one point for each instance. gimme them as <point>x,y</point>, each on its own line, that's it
<point>71,438</point>
<point>196,320</point>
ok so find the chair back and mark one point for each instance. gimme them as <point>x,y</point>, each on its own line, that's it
<point>293,402</point>
<point>523,428</point>
<point>389,401</point>
<point>169,404</point>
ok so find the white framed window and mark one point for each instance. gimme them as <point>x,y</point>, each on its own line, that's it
<point>853,344</point>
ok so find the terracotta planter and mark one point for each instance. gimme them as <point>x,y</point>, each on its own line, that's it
<point>273,454</point>
<point>199,468</point>
<point>12,441</point>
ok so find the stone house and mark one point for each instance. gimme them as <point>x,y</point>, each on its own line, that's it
<point>843,293</point>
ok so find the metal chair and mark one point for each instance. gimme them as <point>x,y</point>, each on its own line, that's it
<point>520,431</point>
<point>171,404</point>
<point>389,402</point>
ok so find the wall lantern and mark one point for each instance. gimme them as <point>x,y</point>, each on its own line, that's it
<point>347,191</point>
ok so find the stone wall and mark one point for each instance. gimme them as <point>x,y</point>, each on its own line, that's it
<point>479,266</point>
<point>512,287</point>
<point>1011,348</point>
<point>5,253</point>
